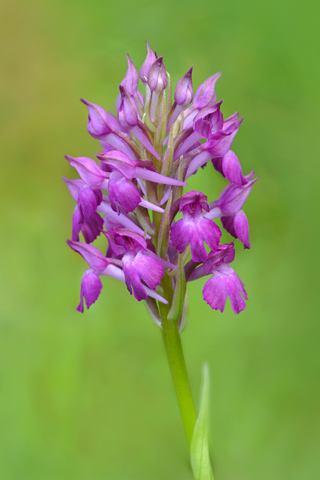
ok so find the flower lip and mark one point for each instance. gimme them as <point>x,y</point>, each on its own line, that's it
<point>225,282</point>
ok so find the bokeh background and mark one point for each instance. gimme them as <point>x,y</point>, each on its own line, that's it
<point>89,397</point>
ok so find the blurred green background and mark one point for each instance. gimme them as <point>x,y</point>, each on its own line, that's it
<point>89,397</point>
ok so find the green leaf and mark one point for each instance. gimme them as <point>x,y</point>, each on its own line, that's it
<point>163,236</point>
<point>199,449</point>
<point>179,293</point>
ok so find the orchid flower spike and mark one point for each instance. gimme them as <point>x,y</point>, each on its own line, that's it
<point>159,236</point>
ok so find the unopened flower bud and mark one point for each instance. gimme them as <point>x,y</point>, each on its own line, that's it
<point>100,122</point>
<point>205,95</point>
<point>157,78</point>
<point>131,79</point>
<point>183,94</point>
<point>128,111</point>
<point>150,59</point>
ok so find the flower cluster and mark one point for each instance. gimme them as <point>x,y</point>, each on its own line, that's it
<point>135,193</point>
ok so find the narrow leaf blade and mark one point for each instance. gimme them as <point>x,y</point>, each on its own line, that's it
<point>199,450</point>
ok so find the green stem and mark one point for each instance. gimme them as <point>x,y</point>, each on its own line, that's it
<point>173,347</point>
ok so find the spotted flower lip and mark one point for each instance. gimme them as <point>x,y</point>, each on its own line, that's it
<point>159,237</point>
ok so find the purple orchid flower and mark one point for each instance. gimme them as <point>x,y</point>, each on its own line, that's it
<point>216,147</point>
<point>137,265</point>
<point>194,228</point>
<point>106,127</point>
<point>85,217</point>
<point>122,193</point>
<point>205,125</point>
<point>229,206</point>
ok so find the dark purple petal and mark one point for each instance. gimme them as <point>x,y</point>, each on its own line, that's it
<point>91,254</point>
<point>90,289</point>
